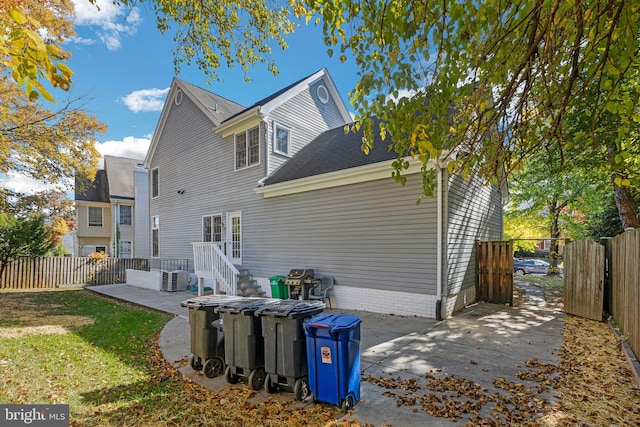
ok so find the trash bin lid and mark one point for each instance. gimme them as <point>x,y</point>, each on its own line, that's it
<point>208,301</point>
<point>290,307</point>
<point>333,322</point>
<point>246,305</point>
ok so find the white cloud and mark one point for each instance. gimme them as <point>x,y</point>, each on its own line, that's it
<point>146,100</point>
<point>83,41</point>
<point>24,184</point>
<point>110,22</point>
<point>130,147</point>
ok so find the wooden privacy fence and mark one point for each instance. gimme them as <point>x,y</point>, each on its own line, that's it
<point>584,279</point>
<point>495,272</point>
<point>623,256</point>
<point>53,272</point>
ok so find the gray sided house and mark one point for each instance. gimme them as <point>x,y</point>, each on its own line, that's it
<point>279,185</point>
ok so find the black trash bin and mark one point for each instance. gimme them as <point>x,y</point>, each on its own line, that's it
<point>243,344</point>
<point>206,336</point>
<point>285,352</point>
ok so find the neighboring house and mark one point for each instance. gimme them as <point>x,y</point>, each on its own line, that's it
<point>544,246</point>
<point>105,210</point>
<point>279,186</point>
<point>69,242</point>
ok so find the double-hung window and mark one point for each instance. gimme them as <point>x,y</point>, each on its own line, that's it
<point>125,214</point>
<point>95,216</point>
<point>281,139</point>
<point>155,237</point>
<point>247,148</point>
<point>154,183</point>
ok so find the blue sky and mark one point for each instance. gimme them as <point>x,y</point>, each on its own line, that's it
<point>124,66</point>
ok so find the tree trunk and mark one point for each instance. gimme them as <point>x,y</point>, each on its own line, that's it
<point>627,208</point>
<point>554,233</point>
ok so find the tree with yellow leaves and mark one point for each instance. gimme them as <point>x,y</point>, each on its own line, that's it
<point>46,144</point>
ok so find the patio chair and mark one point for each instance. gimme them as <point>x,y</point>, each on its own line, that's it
<point>320,291</point>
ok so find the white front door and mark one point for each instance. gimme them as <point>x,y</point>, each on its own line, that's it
<point>234,237</point>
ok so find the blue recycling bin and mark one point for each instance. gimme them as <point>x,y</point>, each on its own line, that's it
<point>333,358</point>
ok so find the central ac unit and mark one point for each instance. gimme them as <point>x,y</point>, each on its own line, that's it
<point>176,280</point>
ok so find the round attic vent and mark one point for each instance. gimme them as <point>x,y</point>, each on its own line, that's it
<point>177,99</point>
<point>323,94</point>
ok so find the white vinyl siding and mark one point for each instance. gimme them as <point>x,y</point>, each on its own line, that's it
<point>202,164</point>
<point>95,216</point>
<point>474,213</point>
<point>247,148</point>
<point>369,235</point>
<point>306,117</point>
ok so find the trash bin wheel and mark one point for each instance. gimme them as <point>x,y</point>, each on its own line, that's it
<point>213,367</point>
<point>256,378</point>
<point>230,376</point>
<point>269,386</point>
<point>301,388</point>
<point>196,363</point>
<point>347,404</point>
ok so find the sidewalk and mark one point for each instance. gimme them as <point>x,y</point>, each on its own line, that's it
<point>480,344</point>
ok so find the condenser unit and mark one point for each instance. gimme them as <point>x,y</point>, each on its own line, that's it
<point>176,280</point>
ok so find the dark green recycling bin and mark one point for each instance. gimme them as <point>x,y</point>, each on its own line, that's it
<point>278,288</point>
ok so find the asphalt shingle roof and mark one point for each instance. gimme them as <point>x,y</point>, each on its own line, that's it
<point>220,107</point>
<point>97,191</point>
<point>331,151</point>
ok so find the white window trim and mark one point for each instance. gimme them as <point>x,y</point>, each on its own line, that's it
<point>229,235</point>
<point>158,174</point>
<point>120,216</point>
<point>89,216</point>
<point>277,125</point>
<point>155,225</point>
<point>235,148</point>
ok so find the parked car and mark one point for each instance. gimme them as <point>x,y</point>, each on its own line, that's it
<point>530,266</point>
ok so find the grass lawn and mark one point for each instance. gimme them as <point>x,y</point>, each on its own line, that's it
<point>101,357</point>
<point>537,279</point>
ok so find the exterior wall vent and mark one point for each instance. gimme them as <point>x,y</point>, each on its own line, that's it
<point>323,94</point>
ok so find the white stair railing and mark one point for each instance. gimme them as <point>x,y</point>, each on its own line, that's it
<point>211,263</point>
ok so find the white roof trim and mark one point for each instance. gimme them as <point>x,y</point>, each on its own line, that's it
<point>168,104</point>
<point>355,175</point>
<point>247,119</point>
<point>263,110</point>
<point>324,75</point>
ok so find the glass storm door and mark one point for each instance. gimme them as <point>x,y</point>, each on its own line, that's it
<point>234,237</point>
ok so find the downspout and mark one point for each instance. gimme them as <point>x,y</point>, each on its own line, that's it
<point>439,242</point>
